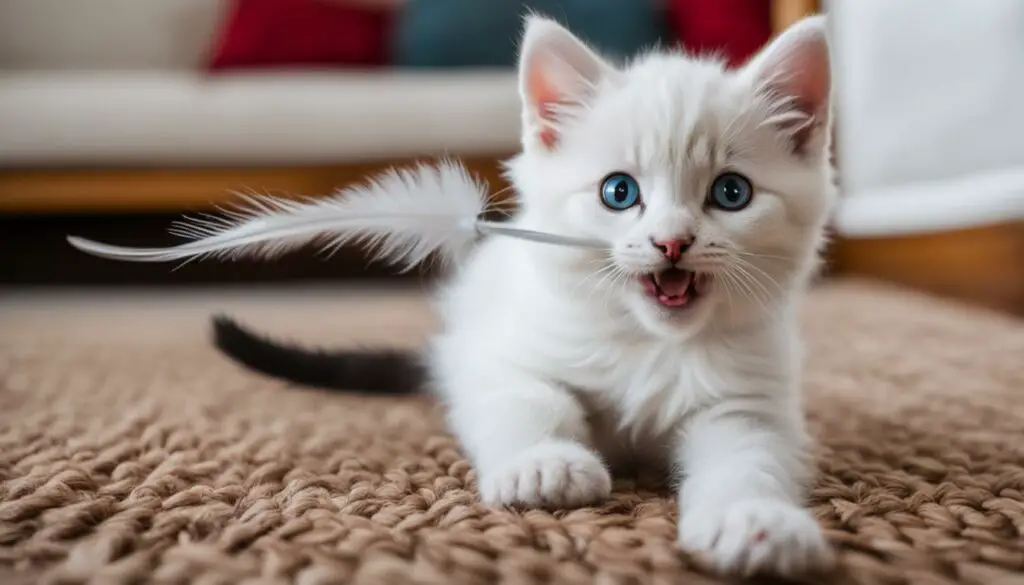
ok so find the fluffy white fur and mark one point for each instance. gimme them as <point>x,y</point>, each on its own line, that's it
<point>554,365</point>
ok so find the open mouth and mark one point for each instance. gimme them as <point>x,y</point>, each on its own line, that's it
<point>675,287</point>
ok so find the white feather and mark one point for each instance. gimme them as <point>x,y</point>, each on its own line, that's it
<point>404,216</point>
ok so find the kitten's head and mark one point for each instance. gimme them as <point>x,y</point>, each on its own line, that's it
<point>712,185</point>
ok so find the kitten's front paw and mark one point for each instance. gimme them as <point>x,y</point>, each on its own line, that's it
<point>556,475</point>
<point>757,536</point>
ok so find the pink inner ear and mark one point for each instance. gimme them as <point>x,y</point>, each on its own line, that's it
<point>544,98</point>
<point>811,80</point>
<point>803,73</point>
<point>548,137</point>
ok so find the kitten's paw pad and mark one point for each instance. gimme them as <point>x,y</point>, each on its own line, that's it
<point>758,536</point>
<point>557,475</point>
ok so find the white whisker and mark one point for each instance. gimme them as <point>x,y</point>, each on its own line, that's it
<point>746,264</point>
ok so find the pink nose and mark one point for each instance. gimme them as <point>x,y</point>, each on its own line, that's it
<point>673,249</point>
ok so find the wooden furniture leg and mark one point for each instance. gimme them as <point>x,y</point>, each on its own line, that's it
<point>786,12</point>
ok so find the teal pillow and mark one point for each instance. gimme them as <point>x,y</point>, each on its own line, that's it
<point>486,33</point>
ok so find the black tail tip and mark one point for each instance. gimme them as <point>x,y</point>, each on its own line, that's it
<point>224,322</point>
<point>227,329</point>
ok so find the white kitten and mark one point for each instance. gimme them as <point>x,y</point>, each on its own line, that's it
<point>677,345</point>
<point>682,344</point>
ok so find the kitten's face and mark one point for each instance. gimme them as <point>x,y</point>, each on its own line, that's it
<point>711,205</point>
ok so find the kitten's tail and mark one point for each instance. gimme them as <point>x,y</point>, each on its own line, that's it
<point>374,371</point>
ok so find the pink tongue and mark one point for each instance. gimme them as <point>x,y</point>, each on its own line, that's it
<point>674,282</point>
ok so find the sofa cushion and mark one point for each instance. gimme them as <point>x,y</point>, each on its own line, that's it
<point>461,33</point>
<point>734,29</point>
<point>107,34</point>
<point>281,33</point>
<point>169,118</point>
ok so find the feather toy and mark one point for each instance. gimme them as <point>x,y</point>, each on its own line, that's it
<point>404,216</point>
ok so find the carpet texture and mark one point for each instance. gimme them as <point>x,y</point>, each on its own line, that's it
<point>130,452</point>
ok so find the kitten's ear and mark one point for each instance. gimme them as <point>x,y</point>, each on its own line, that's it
<point>795,68</point>
<point>557,71</point>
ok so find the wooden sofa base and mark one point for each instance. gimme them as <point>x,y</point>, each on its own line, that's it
<point>983,265</point>
<point>174,190</point>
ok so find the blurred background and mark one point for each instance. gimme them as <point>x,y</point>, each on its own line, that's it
<point>117,116</point>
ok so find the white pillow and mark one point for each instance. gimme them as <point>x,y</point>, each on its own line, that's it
<point>931,114</point>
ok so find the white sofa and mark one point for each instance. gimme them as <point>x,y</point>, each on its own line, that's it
<point>931,115</point>
<point>120,83</point>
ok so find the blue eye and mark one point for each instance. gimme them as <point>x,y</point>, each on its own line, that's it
<point>730,192</point>
<point>620,191</point>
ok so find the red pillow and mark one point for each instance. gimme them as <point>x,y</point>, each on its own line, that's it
<point>288,33</point>
<point>733,28</point>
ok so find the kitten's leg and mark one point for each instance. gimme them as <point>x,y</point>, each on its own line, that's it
<point>741,503</point>
<point>527,438</point>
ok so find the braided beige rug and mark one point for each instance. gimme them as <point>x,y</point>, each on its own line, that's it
<point>131,452</point>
